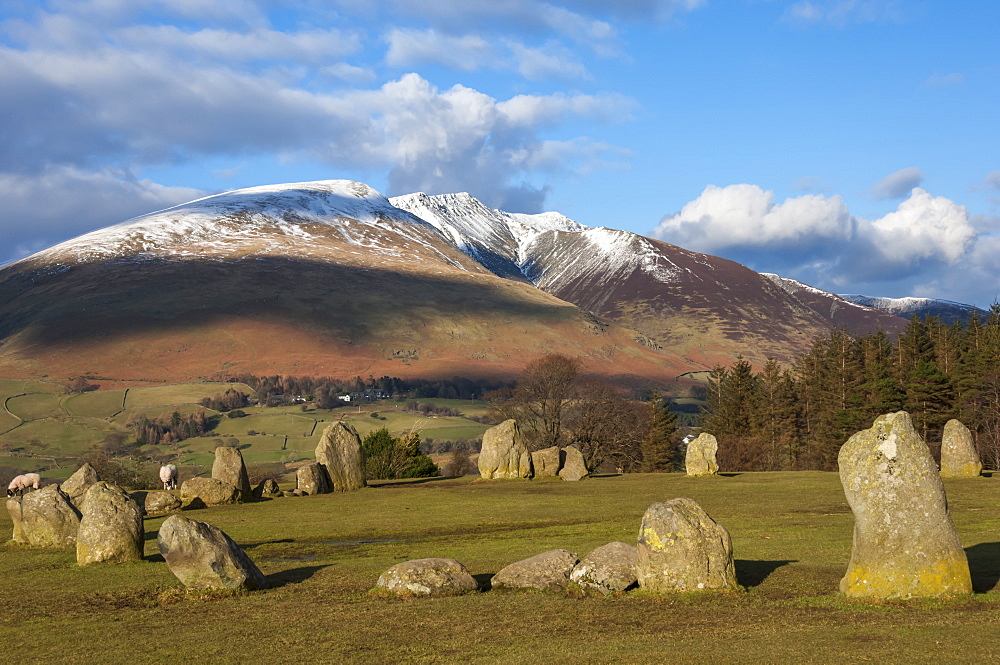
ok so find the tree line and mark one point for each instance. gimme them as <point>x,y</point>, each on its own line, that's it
<point>798,417</point>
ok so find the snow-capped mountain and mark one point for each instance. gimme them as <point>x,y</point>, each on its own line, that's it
<point>332,278</point>
<point>946,310</point>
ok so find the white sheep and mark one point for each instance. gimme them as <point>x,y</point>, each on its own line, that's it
<point>23,482</point>
<point>168,474</point>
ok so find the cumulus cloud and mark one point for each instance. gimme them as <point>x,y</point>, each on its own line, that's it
<point>897,185</point>
<point>409,47</point>
<point>816,239</point>
<point>62,202</point>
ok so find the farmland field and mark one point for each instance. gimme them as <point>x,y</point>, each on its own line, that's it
<point>791,535</point>
<point>179,393</point>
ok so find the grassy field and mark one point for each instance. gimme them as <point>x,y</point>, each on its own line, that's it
<point>791,534</point>
<point>179,393</point>
<point>36,406</point>
<point>97,404</point>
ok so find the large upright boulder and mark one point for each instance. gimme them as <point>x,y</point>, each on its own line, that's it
<point>230,469</point>
<point>110,527</point>
<point>339,451</point>
<point>700,458</point>
<point>427,577</point>
<point>681,548</point>
<point>199,492</point>
<point>546,462</point>
<point>44,518</point>
<point>504,454</point>
<point>959,458</point>
<point>905,543</point>
<point>310,479</point>
<point>78,484</point>
<point>202,556</point>
<point>573,468</point>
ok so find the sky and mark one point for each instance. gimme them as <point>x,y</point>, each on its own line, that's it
<point>851,144</point>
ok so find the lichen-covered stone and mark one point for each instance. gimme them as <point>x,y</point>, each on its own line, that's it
<point>230,468</point>
<point>503,453</point>
<point>573,467</point>
<point>267,488</point>
<point>547,462</point>
<point>607,569</point>
<point>198,492</point>
<point>681,548</point>
<point>156,501</point>
<point>959,458</point>
<point>700,457</point>
<point>905,543</point>
<point>427,577</point>
<point>202,556</point>
<point>78,484</point>
<point>46,518</point>
<point>311,479</point>
<point>339,451</point>
<point>548,571</point>
<point>110,527</point>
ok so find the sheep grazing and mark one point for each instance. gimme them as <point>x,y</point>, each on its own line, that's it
<point>168,474</point>
<point>23,482</point>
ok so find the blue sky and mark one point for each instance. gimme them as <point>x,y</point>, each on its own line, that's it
<point>852,144</point>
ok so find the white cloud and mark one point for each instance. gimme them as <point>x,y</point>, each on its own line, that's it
<point>817,240</point>
<point>552,61</point>
<point>62,202</point>
<point>898,184</point>
<point>993,179</point>
<point>841,13</point>
<point>463,53</point>
<point>945,80</point>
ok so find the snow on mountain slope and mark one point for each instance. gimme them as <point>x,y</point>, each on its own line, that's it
<point>946,310</point>
<point>303,220</point>
<point>854,317</point>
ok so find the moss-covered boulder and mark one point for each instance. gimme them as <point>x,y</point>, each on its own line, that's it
<point>681,548</point>
<point>905,543</point>
<point>573,466</point>
<point>78,484</point>
<point>959,457</point>
<point>608,569</point>
<point>310,479</point>
<point>700,457</point>
<point>548,571</point>
<point>339,451</point>
<point>427,577</point>
<point>200,492</point>
<point>44,518</point>
<point>504,454</point>
<point>110,527</point>
<point>546,462</point>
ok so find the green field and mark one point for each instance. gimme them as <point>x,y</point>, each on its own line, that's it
<point>179,393</point>
<point>36,406</point>
<point>791,535</point>
<point>96,404</point>
<point>283,424</point>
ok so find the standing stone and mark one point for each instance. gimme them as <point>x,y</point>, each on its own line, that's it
<point>110,528</point>
<point>700,457</point>
<point>202,556</point>
<point>573,467</point>
<point>311,479</point>
<point>681,548</point>
<point>504,454</point>
<point>548,571</point>
<point>47,518</point>
<point>547,462</point>
<point>230,469</point>
<point>959,458</point>
<point>78,484</point>
<point>607,569</point>
<point>199,492</point>
<point>339,451</point>
<point>14,508</point>
<point>427,577</point>
<point>904,541</point>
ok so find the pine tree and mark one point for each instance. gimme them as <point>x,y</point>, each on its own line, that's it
<point>659,448</point>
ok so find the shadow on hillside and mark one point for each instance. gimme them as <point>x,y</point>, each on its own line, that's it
<point>984,564</point>
<point>293,575</point>
<point>753,573</point>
